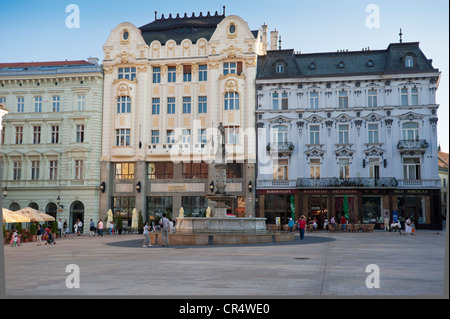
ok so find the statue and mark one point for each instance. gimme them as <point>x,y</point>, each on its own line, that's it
<point>181,214</point>
<point>208,212</point>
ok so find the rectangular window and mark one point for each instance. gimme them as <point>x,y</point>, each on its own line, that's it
<point>203,72</point>
<point>284,101</point>
<point>372,98</point>
<point>80,133</point>
<point>186,137</point>
<point>202,136</point>
<point>314,133</point>
<point>34,170</point>
<point>229,67</point>
<point>81,102</point>
<point>374,168</point>
<point>280,169</point>
<point>124,171</point>
<point>156,74</point>
<point>275,102</point>
<point>170,105</point>
<point>172,74</point>
<point>411,168</point>
<point>157,205</point>
<point>170,137</point>
<point>3,135</point>
<point>187,73</point>
<point>195,170</point>
<point>19,135</point>
<point>314,165</point>
<point>20,104</point>
<point>344,168</point>
<point>53,165</point>
<point>123,137</point>
<point>36,134</point>
<point>231,101</point>
<point>314,100</point>
<point>232,135</point>
<point>155,137</point>
<point>343,99</point>
<point>17,171</point>
<point>235,170</point>
<point>343,134</point>
<point>404,96</point>
<point>186,105</point>
<point>38,104</point>
<point>194,206</point>
<point>127,73</point>
<point>79,169</point>
<point>124,104</point>
<point>155,106</point>
<point>202,104</point>
<point>54,138</point>
<point>373,133</point>
<point>160,170</point>
<point>55,105</point>
<point>414,96</point>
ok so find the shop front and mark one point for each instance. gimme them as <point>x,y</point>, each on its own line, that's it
<point>278,205</point>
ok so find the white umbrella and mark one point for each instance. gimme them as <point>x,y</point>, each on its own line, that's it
<point>134,219</point>
<point>110,216</point>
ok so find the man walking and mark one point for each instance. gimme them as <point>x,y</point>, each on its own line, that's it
<point>302,226</point>
<point>165,228</point>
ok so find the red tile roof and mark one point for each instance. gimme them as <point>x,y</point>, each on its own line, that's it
<point>443,159</point>
<point>38,64</point>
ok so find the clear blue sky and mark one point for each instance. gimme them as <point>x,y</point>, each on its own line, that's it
<point>36,30</point>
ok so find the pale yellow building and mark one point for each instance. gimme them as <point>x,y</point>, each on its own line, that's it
<point>168,85</point>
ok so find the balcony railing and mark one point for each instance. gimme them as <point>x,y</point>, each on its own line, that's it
<point>405,146</point>
<point>283,147</point>
<point>350,182</point>
<point>419,183</point>
<point>277,183</point>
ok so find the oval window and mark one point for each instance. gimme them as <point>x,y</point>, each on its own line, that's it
<point>232,29</point>
<point>125,35</point>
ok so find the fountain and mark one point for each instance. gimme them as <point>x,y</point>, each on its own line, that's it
<point>221,229</point>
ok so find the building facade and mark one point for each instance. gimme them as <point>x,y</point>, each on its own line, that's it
<point>168,86</point>
<point>360,125</point>
<point>51,138</point>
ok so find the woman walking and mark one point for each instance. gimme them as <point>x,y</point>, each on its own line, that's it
<point>146,236</point>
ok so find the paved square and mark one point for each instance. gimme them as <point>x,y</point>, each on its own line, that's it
<point>322,264</point>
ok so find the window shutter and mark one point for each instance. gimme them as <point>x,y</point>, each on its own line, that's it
<point>239,68</point>
<point>186,69</point>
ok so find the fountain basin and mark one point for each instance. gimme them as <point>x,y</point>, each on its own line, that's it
<point>220,225</point>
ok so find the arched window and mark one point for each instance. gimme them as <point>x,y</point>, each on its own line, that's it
<point>280,67</point>
<point>231,101</point>
<point>14,207</point>
<point>410,131</point>
<point>33,205</point>
<point>409,61</point>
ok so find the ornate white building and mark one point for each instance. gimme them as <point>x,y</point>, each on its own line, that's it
<point>168,86</point>
<point>51,138</point>
<point>360,124</point>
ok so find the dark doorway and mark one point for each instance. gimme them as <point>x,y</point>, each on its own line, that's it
<point>76,212</point>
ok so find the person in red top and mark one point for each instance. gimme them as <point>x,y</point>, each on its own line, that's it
<point>343,222</point>
<point>302,226</point>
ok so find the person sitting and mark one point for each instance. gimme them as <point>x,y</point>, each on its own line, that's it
<point>49,237</point>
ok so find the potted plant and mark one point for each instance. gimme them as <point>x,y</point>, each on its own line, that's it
<point>140,223</point>
<point>33,229</point>
<point>119,225</point>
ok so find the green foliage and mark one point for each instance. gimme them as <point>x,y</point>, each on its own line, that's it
<point>119,225</point>
<point>33,229</point>
<point>55,227</point>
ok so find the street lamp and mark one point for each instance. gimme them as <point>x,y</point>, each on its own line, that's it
<point>103,187</point>
<point>211,186</point>
<point>250,186</point>
<point>138,187</point>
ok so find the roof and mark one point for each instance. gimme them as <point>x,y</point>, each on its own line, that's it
<point>443,161</point>
<point>180,28</point>
<point>16,65</point>
<point>344,63</point>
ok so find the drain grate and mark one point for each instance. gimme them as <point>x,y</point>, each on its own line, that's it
<point>302,258</point>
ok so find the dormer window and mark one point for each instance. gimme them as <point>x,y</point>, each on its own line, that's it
<point>370,64</point>
<point>409,61</point>
<point>280,67</point>
<point>312,66</point>
<point>341,65</point>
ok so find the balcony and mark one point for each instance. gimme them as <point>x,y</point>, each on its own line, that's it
<point>276,183</point>
<point>283,148</point>
<point>412,147</point>
<point>413,183</point>
<point>350,182</point>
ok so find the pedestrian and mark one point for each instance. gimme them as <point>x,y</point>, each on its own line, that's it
<point>75,227</point>
<point>100,228</point>
<point>343,222</point>
<point>66,229</point>
<point>59,227</point>
<point>15,239</point>
<point>302,226</point>
<point>49,237</point>
<point>110,227</point>
<point>165,228</point>
<point>408,226</point>
<point>92,228</point>
<point>325,224</point>
<point>80,226</point>
<point>39,235</point>
<point>146,236</point>
<point>291,224</point>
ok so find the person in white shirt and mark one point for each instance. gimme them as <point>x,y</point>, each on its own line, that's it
<point>146,236</point>
<point>165,228</point>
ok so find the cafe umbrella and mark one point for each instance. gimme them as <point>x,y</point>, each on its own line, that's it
<point>35,215</point>
<point>134,219</point>
<point>11,217</point>
<point>345,207</point>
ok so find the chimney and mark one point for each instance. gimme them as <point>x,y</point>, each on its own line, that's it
<point>93,60</point>
<point>273,39</point>
<point>264,39</point>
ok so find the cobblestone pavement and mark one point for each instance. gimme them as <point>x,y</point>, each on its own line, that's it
<point>322,264</point>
